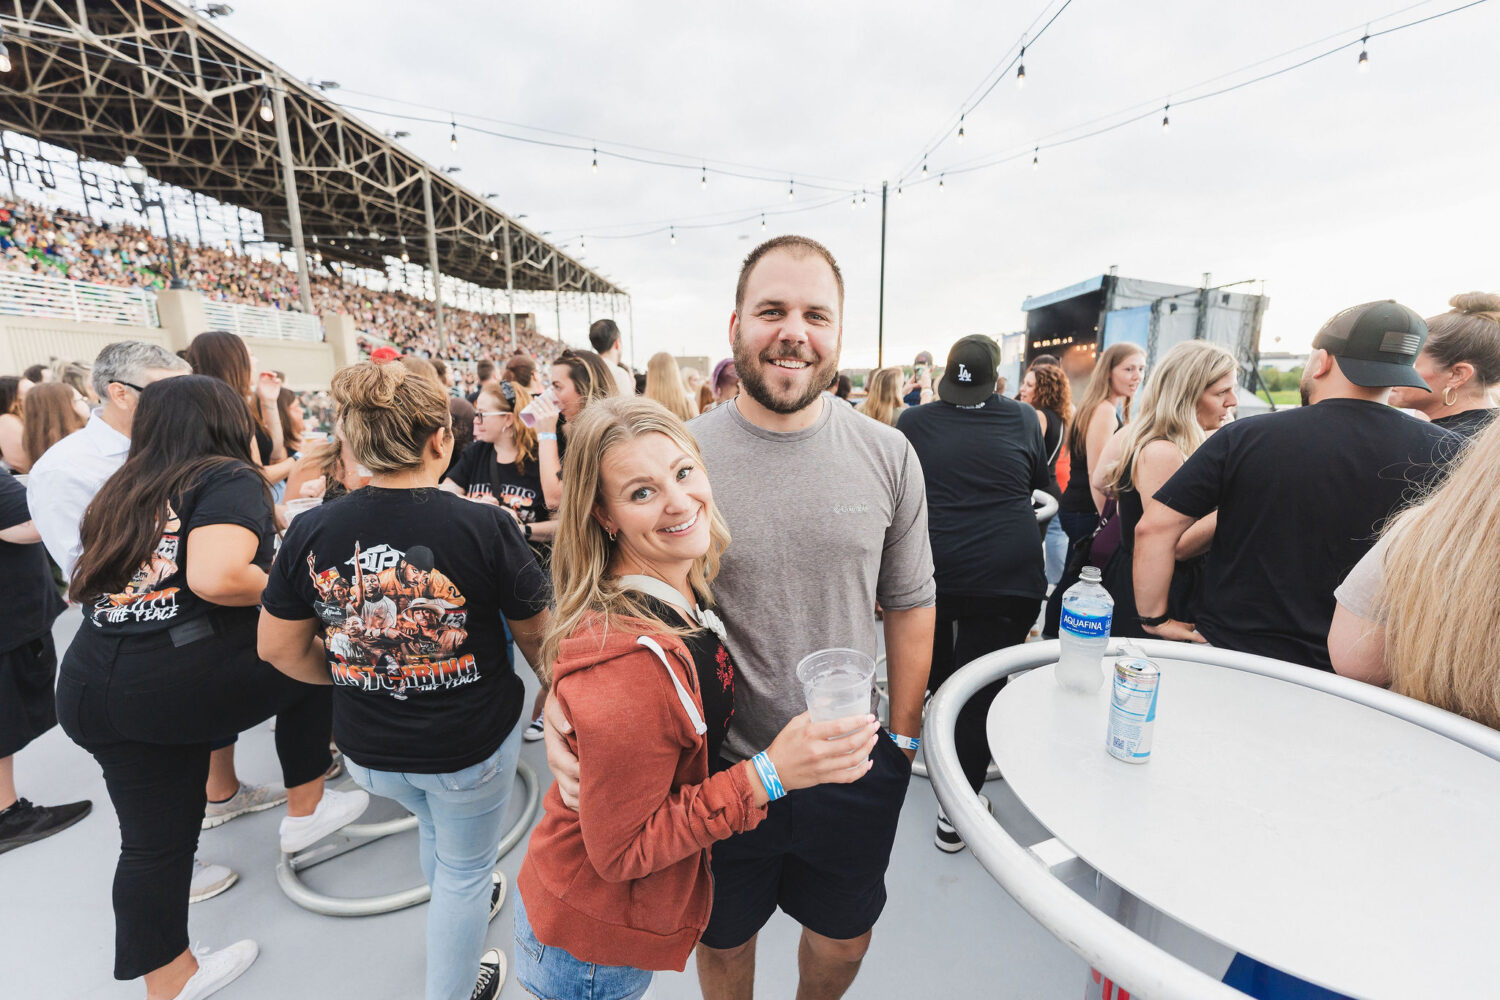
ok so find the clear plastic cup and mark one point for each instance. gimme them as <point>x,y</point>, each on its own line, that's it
<point>838,683</point>
<point>528,415</point>
<point>300,504</point>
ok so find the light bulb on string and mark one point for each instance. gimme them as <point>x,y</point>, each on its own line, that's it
<point>1364,55</point>
<point>853,201</point>
<point>940,181</point>
<point>494,255</point>
<point>1036,157</point>
<point>596,161</point>
<point>960,128</point>
<point>1166,122</point>
<point>452,133</point>
<point>924,164</point>
<point>672,230</point>
<point>582,246</point>
<point>763,222</point>
<point>267,114</point>
<point>791,190</point>
<point>898,190</point>
<point>1021,69</point>
<point>703,181</point>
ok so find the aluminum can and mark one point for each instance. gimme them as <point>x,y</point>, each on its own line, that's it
<point>1132,709</point>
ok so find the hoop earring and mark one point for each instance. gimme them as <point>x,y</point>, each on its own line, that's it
<point>1446,392</point>
<point>611,535</point>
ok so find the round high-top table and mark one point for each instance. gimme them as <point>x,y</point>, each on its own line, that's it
<point>1290,815</point>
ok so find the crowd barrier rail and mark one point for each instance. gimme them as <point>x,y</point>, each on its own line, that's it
<point>262,321</point>
<point>28,294</point>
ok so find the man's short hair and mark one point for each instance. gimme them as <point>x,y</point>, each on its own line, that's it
<point>603,334</point>
<point>797,246</point>
<point>485,370</point>
<point>128,361</point>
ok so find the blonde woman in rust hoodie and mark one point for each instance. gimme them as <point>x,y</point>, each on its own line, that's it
<point>621,887</point>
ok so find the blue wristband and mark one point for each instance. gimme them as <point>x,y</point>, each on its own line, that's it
<point>546,436</point>
<point>768,776</point>
<point>905,742</point>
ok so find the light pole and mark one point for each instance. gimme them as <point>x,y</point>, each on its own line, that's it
<point>136,175</point>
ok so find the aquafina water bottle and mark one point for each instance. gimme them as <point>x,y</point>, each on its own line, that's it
<point>1087,610</point>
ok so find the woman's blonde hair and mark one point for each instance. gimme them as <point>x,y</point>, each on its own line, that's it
<point>1437,598</point>
<point>1097,392</point>
<point>664,384</point>
<point>525,436</point>
<point>582,551</point>
<point>387,413</point>
<point>1470,331</point>
<point>883,398</point>
<point>1168,408</point>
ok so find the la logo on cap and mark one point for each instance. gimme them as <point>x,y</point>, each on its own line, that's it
<point>963,373</point>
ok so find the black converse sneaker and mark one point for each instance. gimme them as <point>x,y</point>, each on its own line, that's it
<point>491,975</point>
<point>25,823</point>
<point>947,838</point>
<point>497,892</point>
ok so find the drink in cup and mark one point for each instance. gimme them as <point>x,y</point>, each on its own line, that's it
<point>838,683</point>
<point>528,413</point>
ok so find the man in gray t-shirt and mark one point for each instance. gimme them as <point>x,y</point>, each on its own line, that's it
<point>828,515</point>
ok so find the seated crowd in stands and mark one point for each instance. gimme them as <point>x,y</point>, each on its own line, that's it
<point>357,561</point>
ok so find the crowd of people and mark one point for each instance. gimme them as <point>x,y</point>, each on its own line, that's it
<point>58,243</point>
<point>650,545</point>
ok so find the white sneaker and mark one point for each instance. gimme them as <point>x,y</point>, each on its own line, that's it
<point>249,799</point>
<point>217,969</point>
<point>210,880</point>
<point>335,810</point>
<point>533,730</point>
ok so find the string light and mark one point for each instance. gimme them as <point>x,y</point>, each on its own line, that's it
<point>898,190</point>
<point>853,201</point>
<point>960,128</point>
<point>791,190</point>
<point>672,231</point>
<point>703,182</point>
<point>763,222</point>
<point>940,181</point>
<point>1021,69</point>
<point>267,114</point>
<point>452,133</point>
<point>1364,55</point>
<point>1166,122</point>
<point>924,164</point>
<point>494,255</point>
<point>1036,156</point>
<point>596,161</point>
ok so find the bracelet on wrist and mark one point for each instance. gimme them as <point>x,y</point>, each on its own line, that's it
<point>905,742</point>
<point>768,776</point>
<point>1153,621</point>
<point>546,436</point>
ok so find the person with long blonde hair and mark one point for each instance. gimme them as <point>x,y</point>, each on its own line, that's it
<point>1418,613</point>
<point>883,398</point>
<point>620,886</point>
<point>664,384</point>
<point>1190,395</point>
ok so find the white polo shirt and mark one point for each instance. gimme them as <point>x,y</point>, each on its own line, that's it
<point>64,481</point>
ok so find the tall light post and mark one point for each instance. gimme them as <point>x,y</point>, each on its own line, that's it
<point>136,175</point>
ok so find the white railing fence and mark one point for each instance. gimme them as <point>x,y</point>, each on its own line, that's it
<point>260,321</point>
<point>28,294</point>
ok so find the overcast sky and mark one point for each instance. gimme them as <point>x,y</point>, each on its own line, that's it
<point>1332,186</point>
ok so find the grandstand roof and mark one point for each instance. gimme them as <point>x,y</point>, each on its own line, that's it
<point>114,78</point>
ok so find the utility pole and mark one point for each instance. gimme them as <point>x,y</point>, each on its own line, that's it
<point>557,297</point>
<point>510,293</point>
<point>293,206</point>
<point>880,325</point>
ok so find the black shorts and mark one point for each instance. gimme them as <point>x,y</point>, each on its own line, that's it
<point>27,708</point>
<point>820,854</point>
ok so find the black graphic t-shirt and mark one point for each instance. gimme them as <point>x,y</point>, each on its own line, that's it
<point>409,587</point>
<point>26,592</point>
<point>158,596</point>
<point>715,670</point>
<point>478,474</point>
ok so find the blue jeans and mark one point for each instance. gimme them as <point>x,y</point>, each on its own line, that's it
<point>553,974</point>
<point>459,816</point>
<point>1055,549</point>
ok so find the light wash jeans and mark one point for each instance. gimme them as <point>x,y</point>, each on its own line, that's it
<point>1055,549</point>
<point>459,816</point>
<point>554,974</point>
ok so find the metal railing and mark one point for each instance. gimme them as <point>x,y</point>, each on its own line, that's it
<point>1131,961</point>
<point>261,321</point>
<point>28,294</point>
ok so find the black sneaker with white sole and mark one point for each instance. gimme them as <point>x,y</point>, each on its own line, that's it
<point>947,838</point>
<point>497,892</point>
<point>491,975</point>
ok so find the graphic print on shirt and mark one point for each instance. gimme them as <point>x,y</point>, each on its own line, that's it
<point>520,499</point>
<point>395,623</point>
<point>144,599</point>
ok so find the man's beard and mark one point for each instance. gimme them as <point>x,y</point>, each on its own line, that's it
<point>754,383</point>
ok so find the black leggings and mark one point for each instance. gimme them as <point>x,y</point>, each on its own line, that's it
<point>149,712</point>
<point>967,628</point>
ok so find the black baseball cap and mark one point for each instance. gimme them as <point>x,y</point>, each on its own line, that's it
<point>969,377</point>
<point>1377,344</point>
